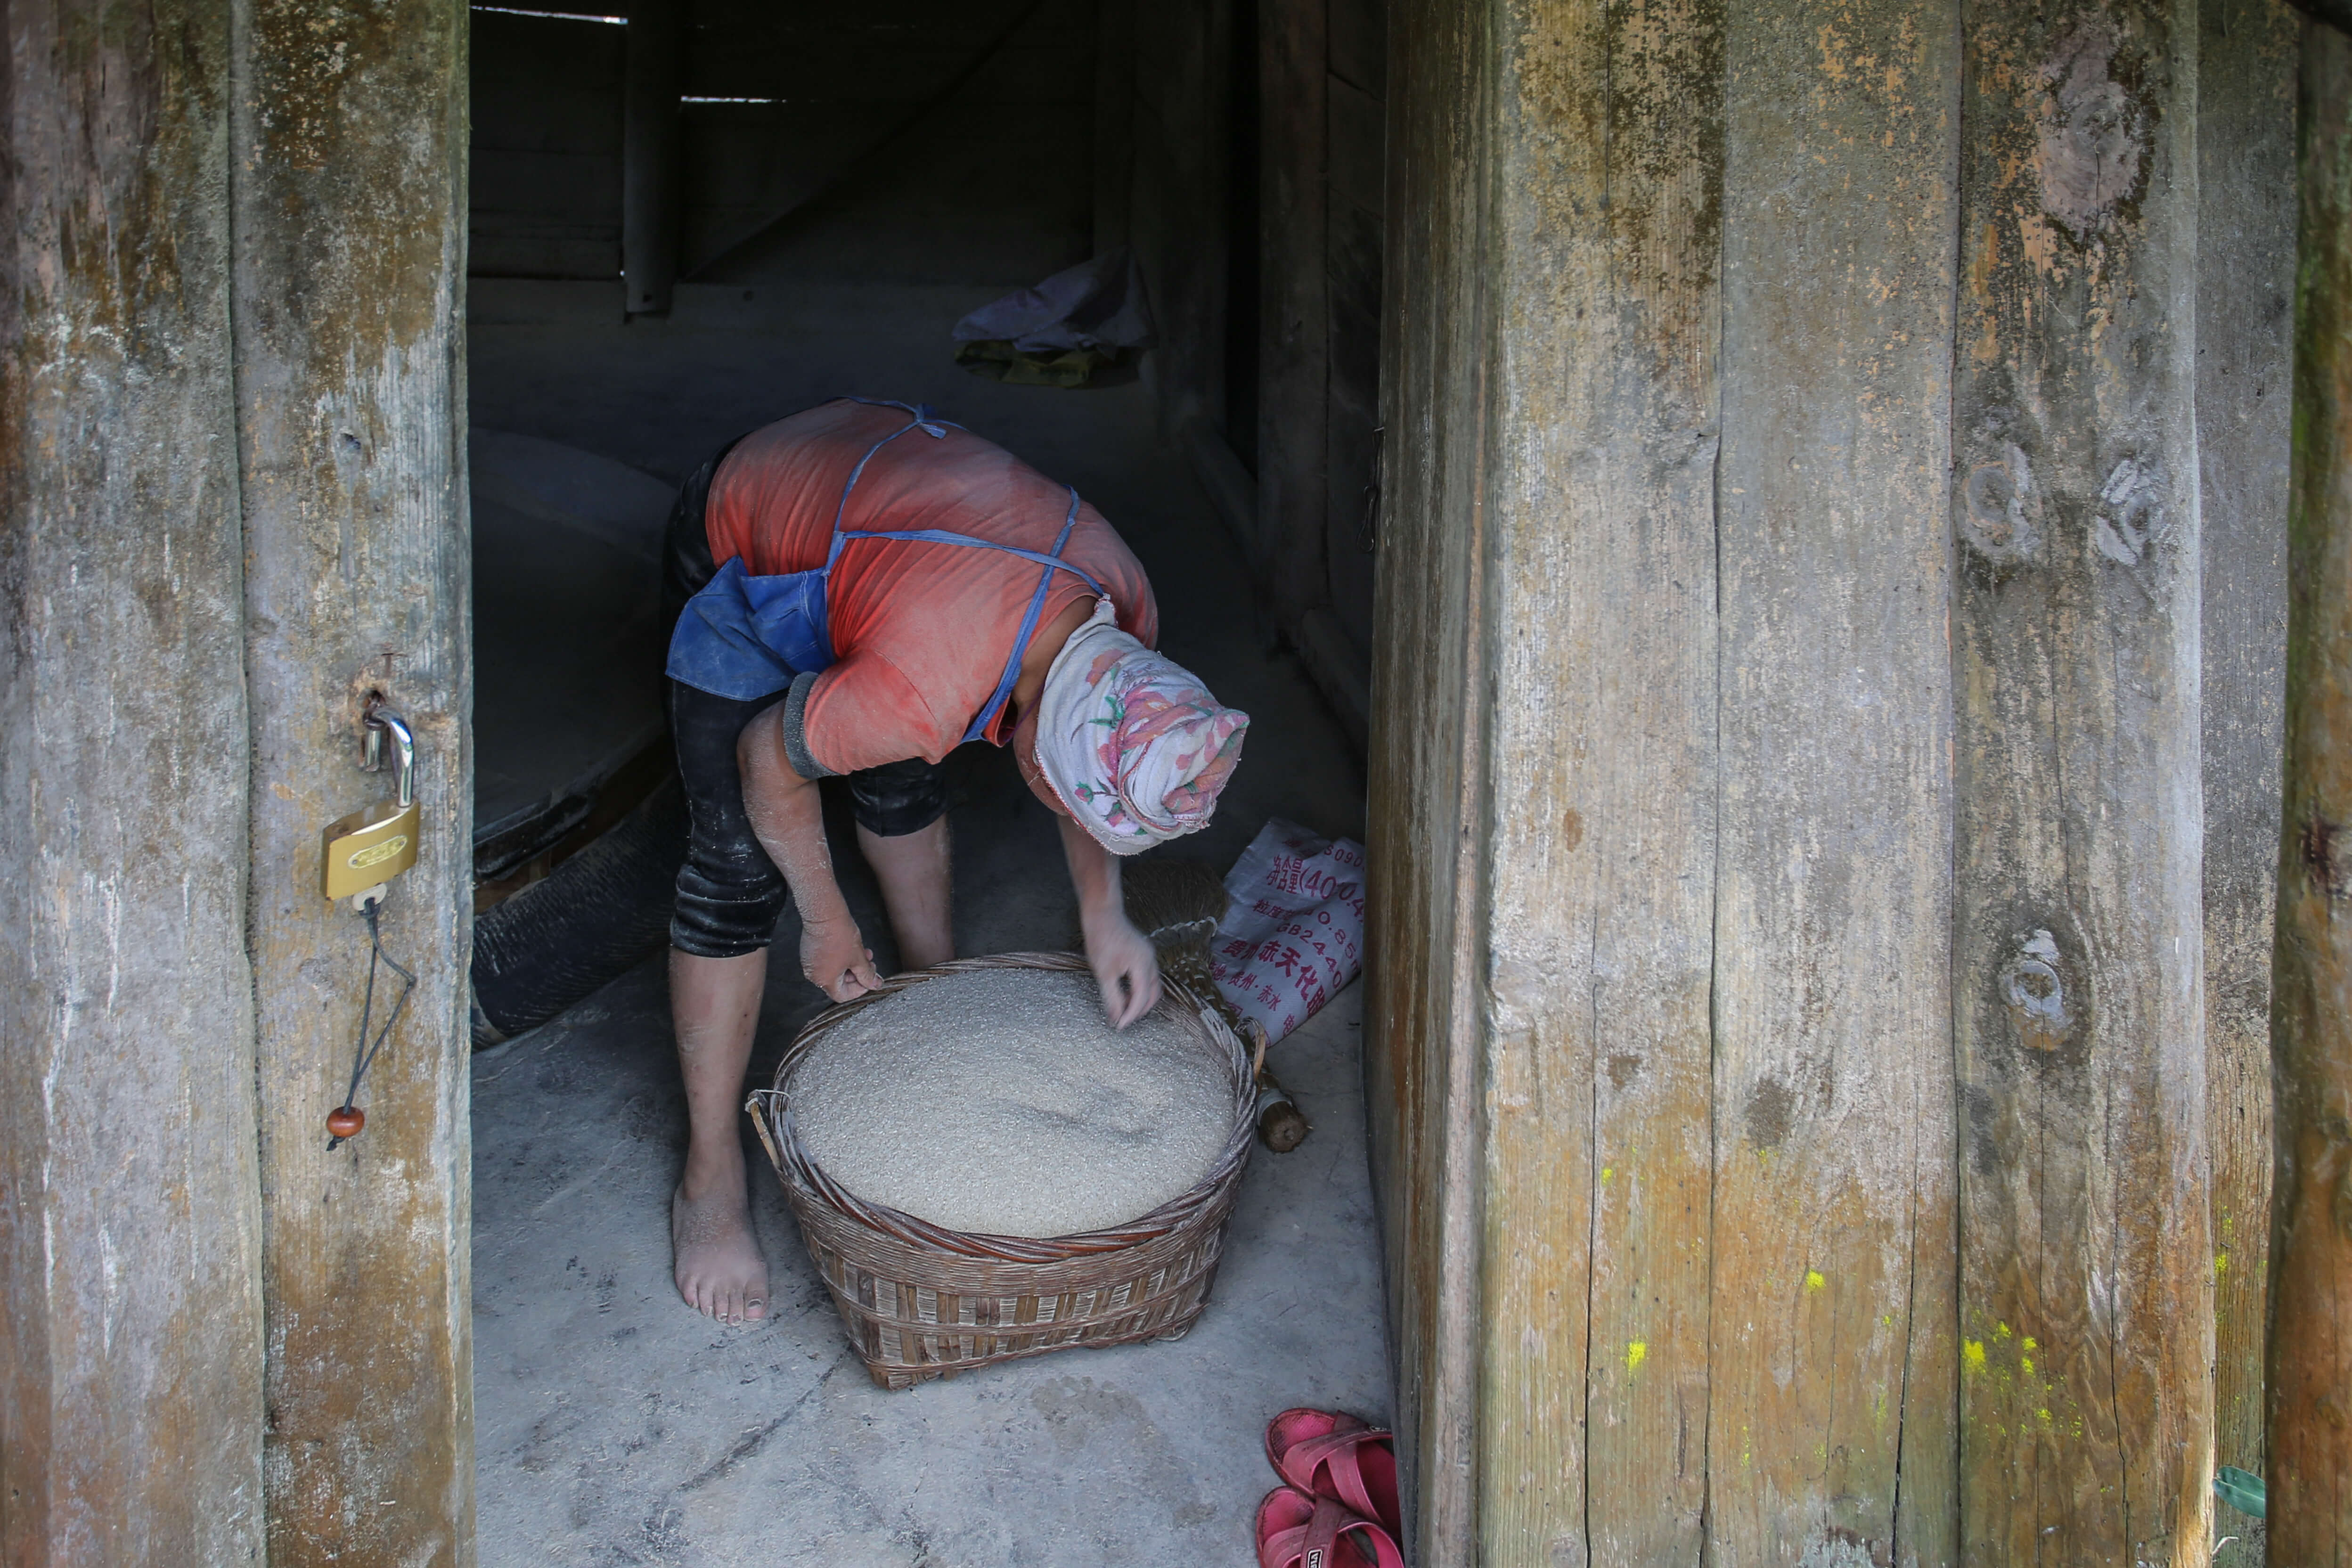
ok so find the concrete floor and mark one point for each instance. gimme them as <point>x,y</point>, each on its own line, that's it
<point>615,1426</point>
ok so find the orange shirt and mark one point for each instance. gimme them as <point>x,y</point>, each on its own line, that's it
<point>920,631</point>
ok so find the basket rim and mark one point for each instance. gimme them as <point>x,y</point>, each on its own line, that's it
<point>770,1113</point>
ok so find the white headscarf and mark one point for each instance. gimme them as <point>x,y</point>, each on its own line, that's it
<point>1133,743</point>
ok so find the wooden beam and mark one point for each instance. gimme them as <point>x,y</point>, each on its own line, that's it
<point>1599,837</point>
<point>1357,138</point>
<point>2245,272</point>
<point>130,1311</point>
<point>1543,771</point>
<point>1195,373</point>
<point>793,184</point>
<point>349,131</point>
<point>1113,132</point>
<point>2085,1315</point>
<point>1178,217</point>
<point>1833,1367</point>
<point>650,170</point>
<point>1294,355</point>
<point>1427,763</point>
<point>2310,1425</point>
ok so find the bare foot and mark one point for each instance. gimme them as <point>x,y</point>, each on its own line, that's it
<point>719,1270</point>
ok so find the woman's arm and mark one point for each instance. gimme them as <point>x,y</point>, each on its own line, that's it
<point>1125,965</point>
<point>789,821</point>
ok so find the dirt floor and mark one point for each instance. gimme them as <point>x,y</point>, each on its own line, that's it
<point>615,1426</point>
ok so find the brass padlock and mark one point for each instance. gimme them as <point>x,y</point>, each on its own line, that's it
<point>362,852</point>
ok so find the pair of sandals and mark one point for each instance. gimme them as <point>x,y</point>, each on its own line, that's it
<point>1339,1507</point>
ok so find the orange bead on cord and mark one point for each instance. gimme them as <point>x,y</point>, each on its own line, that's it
<point>345,1120</point>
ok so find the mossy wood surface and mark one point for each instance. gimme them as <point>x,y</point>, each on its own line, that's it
<point>348,132</point>
<point>1427,764</point>
<point>2245,320</point>
<point>1832,1345</point>
<point>2309,1475</point>
<point>1789,1044</point>
<point>2086,1308</point>
<point>131,1328</point>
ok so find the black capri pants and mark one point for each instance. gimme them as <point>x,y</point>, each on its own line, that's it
<point>729,894</point>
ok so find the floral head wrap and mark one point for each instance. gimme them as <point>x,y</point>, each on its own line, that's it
<point>1133,743</point>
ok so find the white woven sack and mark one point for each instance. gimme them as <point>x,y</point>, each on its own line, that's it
<point>1293,935</point>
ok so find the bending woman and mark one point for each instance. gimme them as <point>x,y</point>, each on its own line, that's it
<point>859,589</point>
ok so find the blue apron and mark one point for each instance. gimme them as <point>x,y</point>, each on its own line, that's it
<point>745,638</point>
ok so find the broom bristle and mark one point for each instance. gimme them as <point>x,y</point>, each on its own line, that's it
<point>1177,903</point>
<point>1162,894</point>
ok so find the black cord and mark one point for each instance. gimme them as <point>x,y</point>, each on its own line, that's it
<point>363,1053</point>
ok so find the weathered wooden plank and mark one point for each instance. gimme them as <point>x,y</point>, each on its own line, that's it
<point>2086,1288</point>
<point>131,1397</point>
<point>1352,250</point>
<point>2310,1362</point>
<point>911,30</point>
<point>1294,348</point>
<point>1426,758</point>
<point>1355,139</point>
<point>1114,128</point>
<point>545,215</point>
<point>1358,44</point>
<point>545,169</point>
<point>546,86</point>
<point>1833,1357</point>
<point>1031,62</point>
<point>1015,100</point>
<point>2245,285</point>
<point>1605,262</point>
<point>348,131</point>
<point>650,176</point>
<point>1178,220</point>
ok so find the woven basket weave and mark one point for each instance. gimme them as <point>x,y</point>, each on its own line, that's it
<point>921,1301</point>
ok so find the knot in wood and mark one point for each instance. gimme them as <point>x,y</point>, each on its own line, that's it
<point>2320,845</point>
<point>2035,990</point>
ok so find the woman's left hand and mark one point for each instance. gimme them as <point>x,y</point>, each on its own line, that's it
<point>1126,966</point>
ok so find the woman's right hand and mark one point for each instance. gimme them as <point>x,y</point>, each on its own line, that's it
<point>834,957</point>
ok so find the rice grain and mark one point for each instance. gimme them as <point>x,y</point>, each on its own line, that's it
<point>1001,1101</point>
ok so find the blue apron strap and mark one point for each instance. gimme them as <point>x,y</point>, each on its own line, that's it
<point>926,419</point>
<point>936,429</point>
<point>923,417</point>
<point>1028,622</point>
<point>941,536</point>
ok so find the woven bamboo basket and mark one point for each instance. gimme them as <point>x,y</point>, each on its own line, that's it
<point>922,1301</point>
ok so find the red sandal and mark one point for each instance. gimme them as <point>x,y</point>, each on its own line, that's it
<point>1338,1457</point>
<point>1294,1529</point>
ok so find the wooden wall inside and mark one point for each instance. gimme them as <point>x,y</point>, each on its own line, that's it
<point>1180,91</point>
<point>1259,161</point>
<point>545,130</point>
<point>233,506</point>
<point>811,140</point>
<point>922,119</point>
<point>1802,1119</point>
<point>1322,69</point>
